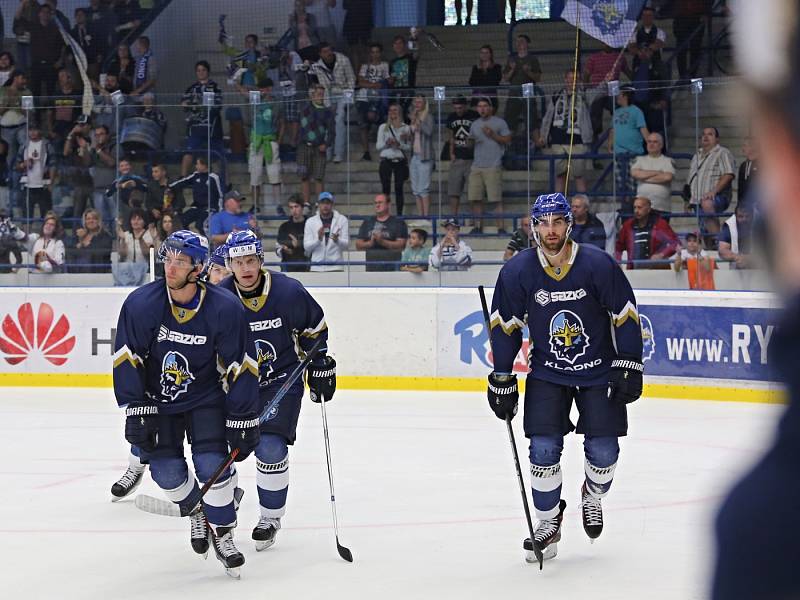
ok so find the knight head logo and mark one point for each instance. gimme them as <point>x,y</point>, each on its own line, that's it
<point>568,339</point>
<point>175,375</point>
<point>608,15</point>
<point>648,338</point>
<point>265,356</point>
<point>39,333</point>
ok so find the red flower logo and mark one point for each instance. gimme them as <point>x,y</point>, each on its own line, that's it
<point>19,338</point>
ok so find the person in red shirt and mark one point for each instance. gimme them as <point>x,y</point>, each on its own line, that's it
<point>602,67</point>
<point>645,236</point>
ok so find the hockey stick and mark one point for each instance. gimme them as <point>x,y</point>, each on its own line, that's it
<point>167,508</point>
<point>527,544</point>
<point>343,552</point>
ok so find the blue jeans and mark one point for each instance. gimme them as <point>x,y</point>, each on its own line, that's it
<point>421,171</point>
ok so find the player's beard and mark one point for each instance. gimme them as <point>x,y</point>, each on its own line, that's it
<point>554,247</point>
<point>186,281</point>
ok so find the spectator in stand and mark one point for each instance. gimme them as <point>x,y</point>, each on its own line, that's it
<point>84,34</point>
<point>290,237</point>
<point>103,23</point>
<point>335,74</point>
<point>586,227</point>
<point>74,170</point>
<point>459,5</point>
<point>200,119</point>
<point>501,10</point>
<point>57,14</point>
<point>625,138</point>
<point>47,247</point>
<point>316,133</point>
<point>145,68</point>
<point>12,117</point>
<point>461,151</point>
<point>92,250</point>
<point>206,193</point>
<point>11,237</point>
<point>422,153</point>
<point>326,236</point>
<point>6,67</point>
<point>711,174</point>
<point>134,247</point>
<point>26,15</point>
<point>646,48</point>
<point>373,80</point>
<point>123,64</point>
<point>485,77</point>
<point>654,173</point>
<point>645,236</point>
<point>490,135</point>
<point>736,238</point>
<point>5,180</point>
<point>699,266</point>
<point>451,253</point>
<point>231,219</point>
<point>394,142</point>
<point>245,64</point>
<point>357,22</point>
<point>291,78</point>
<point>36,160</point>
<point>103,166</point>
<point>403,71</point>
<point>520,240</point>
<point>520,68</point>
<point>129,16</point>
<point>161,199</point>
<point>687,25</point>
<point>127,190</point>
<point>104,108</point>
<point>558,126</point>
<point>320,10</point>
<point>304,33</point>
<point>382,236</point>
<point>66,107</point>
<point>265,148</point>
<point>601,67</point>
<point>415,256</point>
<point>151,112</point>
<point>167,225</point>
<point>47,52</point>
<point>748,171</point>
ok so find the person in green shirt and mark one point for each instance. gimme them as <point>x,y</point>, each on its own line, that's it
<point>415,256</point>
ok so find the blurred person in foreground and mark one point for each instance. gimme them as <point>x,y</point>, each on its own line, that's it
<point>757,526</point>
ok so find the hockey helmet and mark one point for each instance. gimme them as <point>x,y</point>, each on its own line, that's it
<point>243,243</point>
<point>192,244</point>
<point>218,256</point>
<point>551,204</point>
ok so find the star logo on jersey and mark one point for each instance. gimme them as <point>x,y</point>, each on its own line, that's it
<point>568,339</point>
<point>29,333</point>
<point>648,338</point>
<point>175,375</point>
<point>265,355</point>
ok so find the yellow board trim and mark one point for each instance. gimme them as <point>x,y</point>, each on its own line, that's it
<point>437,384</point>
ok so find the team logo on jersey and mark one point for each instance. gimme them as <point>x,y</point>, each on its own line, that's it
<point>265,356</point>
<point>40,333</point>
<point>568,338</point>
<point>648,338</point>
<point>543,297</point>
<point>175,375</point>
<point>165,335</point>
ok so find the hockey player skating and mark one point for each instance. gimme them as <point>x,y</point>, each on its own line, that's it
<point>586,347</point>
<point>173,344</point>
<point>283,317</point>
<point>133,475</point>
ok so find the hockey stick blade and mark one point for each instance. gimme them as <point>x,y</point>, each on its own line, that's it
<point>157,506</point>
<point>344,552</point>
<point>531,547</point>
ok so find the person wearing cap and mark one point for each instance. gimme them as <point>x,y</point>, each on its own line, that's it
<point>230,219</point>
<point>460,150</point>
<point>383,237</point>
<point>326,236</point>
<point>451,253</point>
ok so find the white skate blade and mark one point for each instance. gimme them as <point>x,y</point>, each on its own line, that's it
<point>550,552</point>
<point>263,545</point>
<point>233,572</point>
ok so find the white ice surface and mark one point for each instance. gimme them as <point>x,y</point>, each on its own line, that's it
<point>426,494</point>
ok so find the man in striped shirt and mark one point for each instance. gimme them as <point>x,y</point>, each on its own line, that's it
<point>710,176</point>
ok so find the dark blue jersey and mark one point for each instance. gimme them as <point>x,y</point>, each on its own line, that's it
<point>183,358</point>
<point>580,318</point>
<point>283,320</point>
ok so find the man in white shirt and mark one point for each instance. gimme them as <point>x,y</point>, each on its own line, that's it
<point>35,162</point>
<point>326,236</point>
<point>653,173</point>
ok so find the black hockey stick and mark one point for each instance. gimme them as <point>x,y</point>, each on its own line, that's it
<point>527,544</point>
<point>167,508</point>
<point>343,552</point>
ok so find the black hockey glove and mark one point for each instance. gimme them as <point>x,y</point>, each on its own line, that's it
<point>322,379</point>
<point>141,425</point>
<point>625,380</point>
<point>243,433</point>
<point>503,394</point>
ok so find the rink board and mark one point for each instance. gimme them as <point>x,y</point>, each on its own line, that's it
<point>704,345</point>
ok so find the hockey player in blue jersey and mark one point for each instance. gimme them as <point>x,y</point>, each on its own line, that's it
<point>586,347</point>
<point>181,370</point>
<point>284,319</point>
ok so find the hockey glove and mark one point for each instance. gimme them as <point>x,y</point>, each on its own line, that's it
<point>322,379</point>
<point>243,433</point>
<point>503,394</point>
<point>625,380</point>
<point>141,425</point>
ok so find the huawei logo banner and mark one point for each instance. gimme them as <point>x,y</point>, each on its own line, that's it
<point>39,334</point>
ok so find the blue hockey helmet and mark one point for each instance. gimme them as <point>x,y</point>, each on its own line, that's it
<point>243,243</point>
<point>218,256</point>
<point>551,204</point>
<point>192,244</point>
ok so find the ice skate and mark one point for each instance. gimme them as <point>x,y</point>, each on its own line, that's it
<point>226,551</point>
<point>546,538</point>
<point>265,532</point>
<point>199,532</point>
<point>592,514</point>
<point>126,485</point>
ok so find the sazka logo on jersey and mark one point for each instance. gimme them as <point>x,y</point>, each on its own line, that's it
<point>648,338</point>
<point>265,355</point>
<point>175,375</point>
<point>568,339</point>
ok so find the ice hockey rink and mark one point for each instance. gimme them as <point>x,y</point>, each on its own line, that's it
<point>426,495</point>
